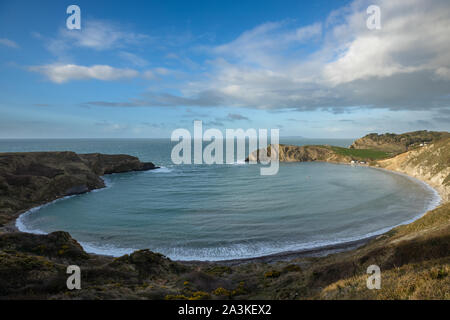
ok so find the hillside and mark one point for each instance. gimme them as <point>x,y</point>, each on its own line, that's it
<point>290,153</point>
<point>398,143</point>
<point>430,163</point>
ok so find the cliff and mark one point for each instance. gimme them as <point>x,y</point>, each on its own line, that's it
<point>34,178</point>
<point>430,163</point>
<point>290,153</point>
<point>398,143</point>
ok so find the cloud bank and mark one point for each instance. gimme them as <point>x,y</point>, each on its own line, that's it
<point>60,73</point>
<point>8,43</point>
<point>337,64</point>
<point>405,65</point>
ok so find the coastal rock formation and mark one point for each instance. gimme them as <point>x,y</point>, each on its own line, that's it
<point>334,154</point>
<point>289,153</point>
<point>34,178</point>
<point>57,244</point>
<point>430,163</point>
<point>106,164</point>
<point>398,143</point>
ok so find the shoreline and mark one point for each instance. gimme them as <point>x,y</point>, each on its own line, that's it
<point>285,256</point>
<point>319,251</point>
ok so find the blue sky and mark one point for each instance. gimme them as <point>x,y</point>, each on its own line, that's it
<point>145,68</point>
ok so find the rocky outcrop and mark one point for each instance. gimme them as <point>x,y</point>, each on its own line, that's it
<point>30,179</point>
<point>430,163</point>
<point>288,153</point>
<point>398,143</point>
<point>106,164</point>
<point>57,244</point>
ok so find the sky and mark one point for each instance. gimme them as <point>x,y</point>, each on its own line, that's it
<point>141,69</point>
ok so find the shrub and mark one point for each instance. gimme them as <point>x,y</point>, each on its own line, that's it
<point>240,290</point>
<point>292,268</point>
<point>272,274</point>
<point>221,292</point>
<point>218,270</point>
<point>175,297</point>
<point>199,295</point>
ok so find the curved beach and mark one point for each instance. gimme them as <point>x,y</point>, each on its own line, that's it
<point>262,252</point>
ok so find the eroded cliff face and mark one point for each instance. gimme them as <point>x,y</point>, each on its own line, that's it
<point>289,153</point>
<point>34,178</point>
<point>398,143</point>
<point>105,164</point>
<point>430,163</point>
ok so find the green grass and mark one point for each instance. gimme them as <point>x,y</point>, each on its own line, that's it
<point>362,154</point>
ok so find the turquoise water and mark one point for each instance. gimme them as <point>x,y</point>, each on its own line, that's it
<point>214,212</point>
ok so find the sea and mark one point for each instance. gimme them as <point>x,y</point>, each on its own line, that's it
<point>224,211</point>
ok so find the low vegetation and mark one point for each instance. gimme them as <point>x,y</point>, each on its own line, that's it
<point>398,143</point>
<point>362,154</point>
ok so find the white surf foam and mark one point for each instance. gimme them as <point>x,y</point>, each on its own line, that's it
<point>20,221</point>
<point>107,182</point>
<point>161,170</point>
<point>106,250</point>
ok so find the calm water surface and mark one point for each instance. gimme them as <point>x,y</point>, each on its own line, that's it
<point>214,212</point>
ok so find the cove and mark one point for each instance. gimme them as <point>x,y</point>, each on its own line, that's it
<point>222,212</point>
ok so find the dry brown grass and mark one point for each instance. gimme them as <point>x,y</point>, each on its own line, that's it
<point>428,280</point>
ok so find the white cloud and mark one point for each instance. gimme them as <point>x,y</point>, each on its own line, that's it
<point>264,43</point>
<point>94,34</point>
<point>443,73</point>
<point>60,73</point>
<point>403,65</point>
<point>148,74</point>
<point>101,35</point>
<point>156,73</point>
<point>162,71</point>
<point>8,43</point>
<point>414,38</point>
<point>133,58</point>
<point>308,32</point>
<point>337,64</point>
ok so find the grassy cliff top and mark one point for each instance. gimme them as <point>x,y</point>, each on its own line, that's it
<point>398,143</point>
<point>361,154</point>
